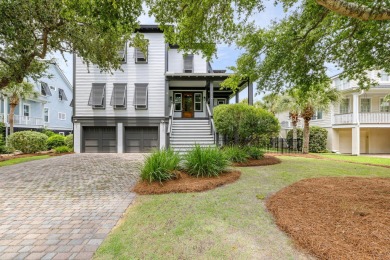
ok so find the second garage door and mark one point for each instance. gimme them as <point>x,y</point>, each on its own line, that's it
<point>140,139</point>
<point>100,140</point>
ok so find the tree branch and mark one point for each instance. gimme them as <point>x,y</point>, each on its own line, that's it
<point>361,12</point>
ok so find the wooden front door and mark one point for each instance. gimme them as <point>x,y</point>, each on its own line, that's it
<point>188,105</point>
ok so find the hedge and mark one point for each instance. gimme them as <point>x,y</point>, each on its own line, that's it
<point>28,141</point>
<point>318,138</point>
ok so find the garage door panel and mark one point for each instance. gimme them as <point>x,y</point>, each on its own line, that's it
<point>141,139</point>
<point>100,139</point>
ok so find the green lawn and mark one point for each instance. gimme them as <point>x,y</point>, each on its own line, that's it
<point>23,159</point>
<point>359,159</point>
<point>230,222</point>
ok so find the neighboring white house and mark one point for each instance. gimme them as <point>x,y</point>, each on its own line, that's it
<point>360,122</point>
<point>51,110</point>
<point>159,99</point>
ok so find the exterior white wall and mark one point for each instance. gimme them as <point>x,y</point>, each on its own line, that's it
<point>152,73</point>
<point>176,62</point>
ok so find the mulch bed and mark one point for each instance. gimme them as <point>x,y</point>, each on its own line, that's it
<point>7,157</point>
<point>336,218</point>
<point>266,160</point>
<point>185,183</point>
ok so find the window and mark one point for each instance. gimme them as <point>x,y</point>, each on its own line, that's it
<point>317,115</point>
<point>118,97</point>
<point>46,115</point>
<point>26,110</point>
<point>61,94</point>
<point>344,106</point>
<point>45,90</point>
<point>61,116</point>
<point>61,133</point>
<point>141,96</point>
<point>198,102</point>
<point>365,105</point>
<point>384,105</point>
<point>385,76</point>
<point>122,53</point>
<point>140,57</point>
<point>188,63</point>
<point>221,101</point>
<point>97,97</point>
<point>178,101</point>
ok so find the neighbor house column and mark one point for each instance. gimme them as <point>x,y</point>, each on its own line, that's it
<point>211,96</point>
<point>120,137</point>
<point>356,127</point>
<point>250,93</point>
<point>77,137</point>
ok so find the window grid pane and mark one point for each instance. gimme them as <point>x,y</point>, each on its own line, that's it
<point>384,106</point>
<point>365,105</point>
<point>344,106</point>
<point>178,101</point>
<point>198,102</point>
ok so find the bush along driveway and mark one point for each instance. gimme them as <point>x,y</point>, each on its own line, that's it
<point>230,222</point>
<point>63,207</point>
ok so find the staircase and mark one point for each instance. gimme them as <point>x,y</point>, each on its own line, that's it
<point>186,133</point>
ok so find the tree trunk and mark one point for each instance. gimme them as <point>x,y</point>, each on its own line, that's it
<point>306,136</point>
<point>11,118</point>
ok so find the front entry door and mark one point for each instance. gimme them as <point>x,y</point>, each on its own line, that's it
<point>188,105</point>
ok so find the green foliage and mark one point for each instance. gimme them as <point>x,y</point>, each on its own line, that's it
<point>205,162</point>
<point>69,141</point>
<point>317,140</point>
<point>244,123</point>
<point>55,141</point>
<point>63,149</point>
<point>254,152</point>
<point>28,141</point>
<point>160,166</point>
<point>48,132</point>
<point>235,154</point>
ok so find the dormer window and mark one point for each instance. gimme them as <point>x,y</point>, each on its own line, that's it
<point>97,97</point>
<point>140,56</point>
<point>122,53</point>
<point>188,63</point>
<point>61,95</point>
<point>45,90</point>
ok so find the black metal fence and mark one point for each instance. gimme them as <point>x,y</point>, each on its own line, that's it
<point>283,145</point>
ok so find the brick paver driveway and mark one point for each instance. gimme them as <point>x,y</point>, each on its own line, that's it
<point>63,207</point>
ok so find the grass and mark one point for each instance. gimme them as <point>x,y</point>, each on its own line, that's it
<point>23,159</point>
<point>358,159</point>
<point>230,222</point>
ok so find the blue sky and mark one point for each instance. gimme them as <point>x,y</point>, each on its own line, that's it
<point>226,55</point>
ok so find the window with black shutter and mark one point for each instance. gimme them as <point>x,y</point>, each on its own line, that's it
<point>45,90</point>
<point>140,56</point>
<point>97,97</point>
<point>118,97</point>
<point>61,94</point>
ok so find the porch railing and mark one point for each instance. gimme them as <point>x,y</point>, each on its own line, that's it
<point>211,122</point>
<point>364,118</point>
<point>24,120</point>
<point>343,119</point>
<point>170,123</point>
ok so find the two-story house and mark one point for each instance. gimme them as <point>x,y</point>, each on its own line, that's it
<point>360,122</point>
<point>160,98</point>
<point>51,109</point>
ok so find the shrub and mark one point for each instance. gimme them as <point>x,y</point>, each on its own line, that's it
<point>63,149</point>
<point>48,132</point>
<point>160,166</point>
<point>55,141</point>
<point>235,154</point>
<point>28,141</point>
<point>254,152</point>
<point>205,162</point>
<point>318,138</point>
<point>245,124</point>
<point>69,141</point>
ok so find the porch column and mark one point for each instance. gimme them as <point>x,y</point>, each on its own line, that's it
<point>211,97</point>
<point>120,137</point>
<point>250,93</point>
<point>6,110</point>
<point>356,127</point>
<point>237,97</point>
<point>167,99</point>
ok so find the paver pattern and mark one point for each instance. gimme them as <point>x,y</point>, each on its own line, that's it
<point>63,207</point>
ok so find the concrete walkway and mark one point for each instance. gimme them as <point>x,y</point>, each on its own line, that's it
<point>63,207</point>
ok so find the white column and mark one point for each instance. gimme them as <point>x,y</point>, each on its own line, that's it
<point>6,111</point>
<point>356,127</point>
<point>120,137</point>
<point>77,137</point>
<point>163,135</point>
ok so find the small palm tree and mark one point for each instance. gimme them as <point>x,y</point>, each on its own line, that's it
<point>16,92</point>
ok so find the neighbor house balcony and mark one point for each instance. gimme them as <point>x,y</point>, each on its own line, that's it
<point>26,121</point>
<point>364,118</point>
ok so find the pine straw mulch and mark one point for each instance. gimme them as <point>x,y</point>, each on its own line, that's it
<point>336,217</point>
<point>6,157</point>
<point>185,183</point>
<point>266,160</point>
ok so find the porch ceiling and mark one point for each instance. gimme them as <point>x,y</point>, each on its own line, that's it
<point>197,76</point>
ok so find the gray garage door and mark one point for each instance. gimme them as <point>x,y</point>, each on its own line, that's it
<point>99,139</point>
<point>140,139</point>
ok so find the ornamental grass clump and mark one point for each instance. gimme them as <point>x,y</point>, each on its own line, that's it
<point>254,152</point>
<point>236,154</point>
<point>160,166</point>
<point>205,162</point>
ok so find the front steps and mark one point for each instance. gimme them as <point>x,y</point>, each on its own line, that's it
<point>186,133</point>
